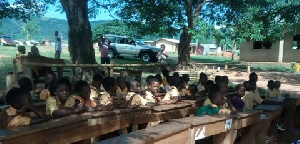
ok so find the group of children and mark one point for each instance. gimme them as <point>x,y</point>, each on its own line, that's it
<point>107,93</point>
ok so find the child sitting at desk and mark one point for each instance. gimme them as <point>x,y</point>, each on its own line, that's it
<point>277,85</point>
<point>45,94</point>
<point>26,84</point>
<point>270,91</point>
<point>153,88</point>
<point>61,104</point>
<point>17,113</point>
<point>215,107</point>
<point>96,87</point>
<point>165,73</point>
<point>173,94</point>
<point>121,85</point>
<point>251,98</point>
<point>253,77</point>
<point>201,84</point>
<point>133,97</point>
<point>110,87</point>
<point>237,102</point>
<point>83,91</point>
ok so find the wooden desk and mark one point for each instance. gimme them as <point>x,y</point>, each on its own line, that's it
<point>268,121</point>
<point>63,130</point>
<point>274,101</point>
<point>210,125</point>
<point>169,132</point>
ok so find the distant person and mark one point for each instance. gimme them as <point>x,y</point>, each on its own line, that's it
<point>57,46</point>
<point>162,54</point>
<point>103,47</point>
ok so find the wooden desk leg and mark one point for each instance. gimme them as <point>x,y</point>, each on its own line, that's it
<point>273,127</point>
<point>248,134</point>
<point>289,111</point>
<point>262,129</point>
<point>124,131</point>
<point>134,127</point>
<point>297,116</point>
<point>227,137</point>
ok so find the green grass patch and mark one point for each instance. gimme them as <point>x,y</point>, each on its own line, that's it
<point>210,59</point>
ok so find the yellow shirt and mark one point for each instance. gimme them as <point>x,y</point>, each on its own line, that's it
<point>51,104</point>
<point>106,99</point>
<point>173,92</point>
<point>45,94</point>
<point>149,97</point>
<point>88,103</point>
<point>208,102</point>
<point>250,99</point>
<point>277,92</point>
<point>124,91</point>
<point>10,118</point>
<point>95,94</point>
<point>270,93</point>
<point>138,100</point>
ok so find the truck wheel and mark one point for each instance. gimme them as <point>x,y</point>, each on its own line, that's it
<point>111,54</point>
<point>146,57</point>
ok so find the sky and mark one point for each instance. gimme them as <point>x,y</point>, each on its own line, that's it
<point>103,15</point>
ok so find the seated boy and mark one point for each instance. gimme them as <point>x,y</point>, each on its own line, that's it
<point>121,85</point>
<point>270,91</point>
<point>277,85</point>
<point>172,95</point>
<point>26,84</point>
<point>96,87</point>
<point>110,87</point>
<point>17,113</point>
<point>133,97</point>
<point>201,84</point>
<point>215,107</point>
<point>192,91</point>
<point>153,88</point>
<point>45,94</point>
<point>83,91</point>
<point>19,55</point>
<point>237,102</point>
<point>251,98</point>
<point>61,104</point>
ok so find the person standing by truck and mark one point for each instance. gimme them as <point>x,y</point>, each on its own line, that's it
<point>57,46</point>
<point>103,48</point>
<point>162,54</point>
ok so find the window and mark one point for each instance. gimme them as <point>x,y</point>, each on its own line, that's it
<point>296,42</point>
<point>262,45</point>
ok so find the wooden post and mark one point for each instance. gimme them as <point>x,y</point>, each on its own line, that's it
<point>110,70</point>
<point>280,53</point>
<point>248,69</point>
<point>226,67</point>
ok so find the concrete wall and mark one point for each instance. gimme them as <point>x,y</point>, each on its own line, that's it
<point>170,47</point>
<point>247,53</point>
<point>289,54</point>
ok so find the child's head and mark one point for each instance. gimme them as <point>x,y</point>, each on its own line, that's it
<point>34,50</point>
<point>203,78</point>
<point>134,86</point>
<point>149,77</point>
<point>153,85</point>
<point>271,84</point>
<point>193,89</point>
<point>162,47</point>
<point>50,76</point>
<point>175,74</point>
<point>110,85</point>
<point>60,88</point>
<point>22,49</point>
<point>83,89</point>
<point>225,79</point>
<point>186,78</point>
<point>25,83</point>
<point>138,78</point>
<point>208,84</point>
<point>17,97</point>
<point>165,72</point>
<point>253,77</point>
<point>121,82</point>
<point>277,84</point>
<point>177,82</point>
<point>223,87</point>
<point>159,78</point>
<point>218,79</point>
<point>240,90</point>
<point>250,85</point>
<point>215,97</point>
<point>97,81</point>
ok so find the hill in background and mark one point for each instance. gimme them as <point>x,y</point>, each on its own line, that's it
<point>46,25</point>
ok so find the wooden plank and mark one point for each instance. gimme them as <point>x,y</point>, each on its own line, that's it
<point>161,108</point>
<point>169,132</point>
<point>274,101</point>
<point>247,118</point>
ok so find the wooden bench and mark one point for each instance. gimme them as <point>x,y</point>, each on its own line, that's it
<point>169,132</point>
<point>268,121</point>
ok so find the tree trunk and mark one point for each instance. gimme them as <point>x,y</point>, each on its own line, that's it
<point>184,49</point>
<point>233,49</point>
<point>80,38</point>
